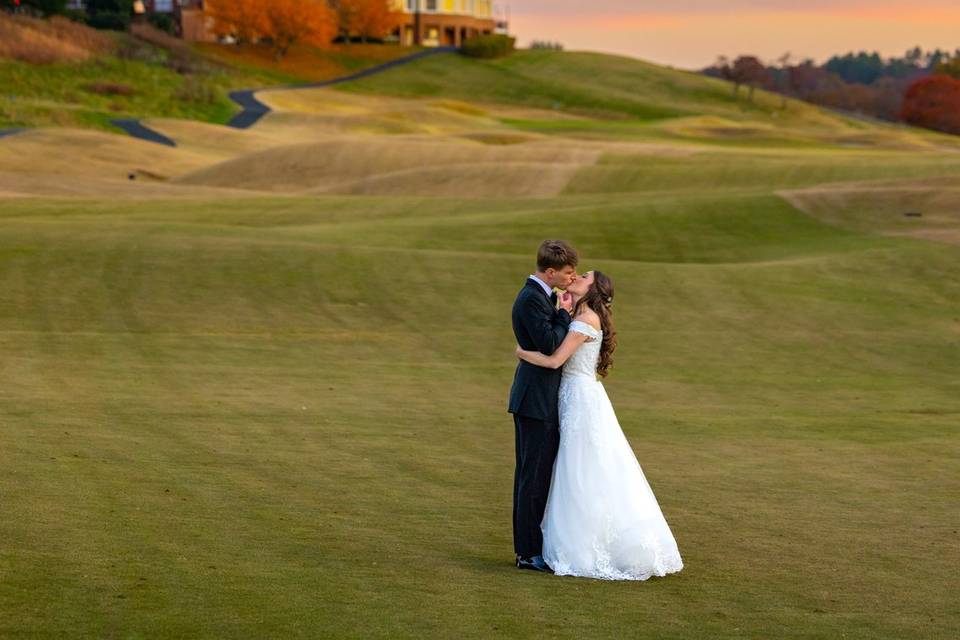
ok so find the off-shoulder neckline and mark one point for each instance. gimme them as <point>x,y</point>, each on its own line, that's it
<point>588,325</point>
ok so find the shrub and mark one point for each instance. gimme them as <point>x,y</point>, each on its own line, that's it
<point>109,21</point>
<point>179,56</point>
<point>492,45</point>
<point>163,22</point>
<point>110,14</point>
<point>546,44</point>
<point>110,89</point>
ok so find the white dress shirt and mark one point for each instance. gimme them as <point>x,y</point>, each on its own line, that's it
<point>543,284</point>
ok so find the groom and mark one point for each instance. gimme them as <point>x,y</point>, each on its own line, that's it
<point>538,326</point>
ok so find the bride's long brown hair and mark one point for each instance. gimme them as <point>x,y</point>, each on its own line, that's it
<point>599,297</point>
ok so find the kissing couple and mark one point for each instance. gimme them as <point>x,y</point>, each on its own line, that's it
<point>581,503</point>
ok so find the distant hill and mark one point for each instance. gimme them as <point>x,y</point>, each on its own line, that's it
<point>592,84</point>
<point>622,97</point>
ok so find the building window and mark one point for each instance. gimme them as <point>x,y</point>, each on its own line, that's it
<point>431,5</point>
<point>411,5</point>
<point>163,6</point>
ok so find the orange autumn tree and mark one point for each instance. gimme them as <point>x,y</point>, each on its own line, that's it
<point>282,23</point>
<point>294,21</point>
<point>243,20</point>
<point>367,18</point>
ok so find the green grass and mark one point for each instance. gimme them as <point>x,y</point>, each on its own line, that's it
<point>592,84</point>
<point>286,416</point>
<point>60,94</point>
<point>621,98</point>
<point>759,169</point>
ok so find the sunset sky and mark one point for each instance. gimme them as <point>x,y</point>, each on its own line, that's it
<point>692,33</point>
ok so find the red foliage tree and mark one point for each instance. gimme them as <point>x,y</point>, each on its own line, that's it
<point>933,102</point>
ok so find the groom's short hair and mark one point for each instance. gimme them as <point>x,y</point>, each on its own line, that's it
<point>555,254</point>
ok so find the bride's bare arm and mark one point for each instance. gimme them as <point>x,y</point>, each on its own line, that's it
<point>573,340</point>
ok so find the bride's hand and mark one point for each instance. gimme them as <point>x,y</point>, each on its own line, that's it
<point>518,350</point>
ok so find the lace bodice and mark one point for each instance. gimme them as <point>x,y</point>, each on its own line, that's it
<point>583,362</point>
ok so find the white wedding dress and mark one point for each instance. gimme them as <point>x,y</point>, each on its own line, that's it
<point>601,520</point>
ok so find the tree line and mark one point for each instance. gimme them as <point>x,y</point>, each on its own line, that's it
<point>921,87</point>
<point>279,23</point>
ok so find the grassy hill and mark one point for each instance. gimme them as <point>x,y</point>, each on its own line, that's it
<point>64,74</point>
<point>260,389</point>
<point>623,97</point>
<point>592,83</point>
<point>603,86</point>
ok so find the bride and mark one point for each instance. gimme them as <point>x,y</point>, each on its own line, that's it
<point>601,519</point>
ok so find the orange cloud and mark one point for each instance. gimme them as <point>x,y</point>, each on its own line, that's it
<point>694,40</point>
<point>915,14</point>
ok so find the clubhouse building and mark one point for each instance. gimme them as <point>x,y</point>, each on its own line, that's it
<point>434,23</point>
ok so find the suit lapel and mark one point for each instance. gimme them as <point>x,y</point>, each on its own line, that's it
<point>539,289</point>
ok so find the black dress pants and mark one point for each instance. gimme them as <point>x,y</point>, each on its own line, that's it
<point>537,443</point>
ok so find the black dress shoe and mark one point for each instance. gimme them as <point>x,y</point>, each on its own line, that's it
<point>536,563</point>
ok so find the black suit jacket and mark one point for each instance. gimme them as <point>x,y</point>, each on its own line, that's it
<point>538,326</point>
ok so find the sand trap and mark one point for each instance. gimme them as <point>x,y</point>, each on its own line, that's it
<point>881,207</point>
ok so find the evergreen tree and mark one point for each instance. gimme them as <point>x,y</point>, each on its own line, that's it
<point>37,7</point>
<point>109,14</point>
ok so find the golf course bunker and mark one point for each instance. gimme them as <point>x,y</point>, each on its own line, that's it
<point>928,209</point>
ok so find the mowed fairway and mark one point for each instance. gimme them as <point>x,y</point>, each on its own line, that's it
<point>284,415</point>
